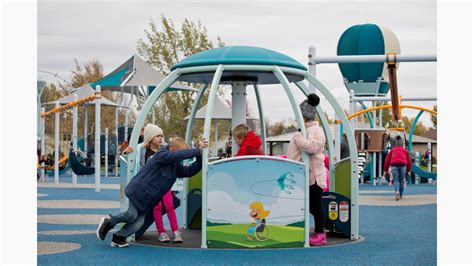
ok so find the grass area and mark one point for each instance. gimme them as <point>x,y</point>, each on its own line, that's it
<point>234,236</point>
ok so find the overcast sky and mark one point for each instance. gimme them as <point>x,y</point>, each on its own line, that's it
<point>109,31</point>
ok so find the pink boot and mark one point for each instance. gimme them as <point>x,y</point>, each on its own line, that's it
<point>318,239</point>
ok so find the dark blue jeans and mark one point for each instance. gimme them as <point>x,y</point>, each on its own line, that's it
<point>132,218</point>
<point>398,173</point>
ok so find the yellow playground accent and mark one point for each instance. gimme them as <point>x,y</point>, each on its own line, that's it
<point>390,106</point>
<point>71,105</point>
<point>62,162</point>
<point>401,129</point>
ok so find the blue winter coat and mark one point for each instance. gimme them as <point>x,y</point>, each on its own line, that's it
<point>156,178</point>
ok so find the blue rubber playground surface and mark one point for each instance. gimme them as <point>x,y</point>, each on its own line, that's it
<point>394,234</point>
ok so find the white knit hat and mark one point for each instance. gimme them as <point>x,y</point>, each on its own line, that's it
<point>151,131</point>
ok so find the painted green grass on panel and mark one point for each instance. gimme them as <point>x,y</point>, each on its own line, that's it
<point>234,236</point>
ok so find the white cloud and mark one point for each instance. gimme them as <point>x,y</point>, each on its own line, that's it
<point>224,209</point>
<point>286,211</point>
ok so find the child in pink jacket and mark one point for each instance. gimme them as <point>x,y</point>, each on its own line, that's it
<point>314,146</point>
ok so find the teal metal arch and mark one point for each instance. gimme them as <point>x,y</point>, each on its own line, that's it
<point>415,168</point>
<point>369,116</point>
<point>299,120</point>
<point>187,139</point>
<point>261,115</point>
<point>194,109</point>
<point>205,152</point>
<point>412,130</point>
<point>131,161</point>
<point>352,150</point>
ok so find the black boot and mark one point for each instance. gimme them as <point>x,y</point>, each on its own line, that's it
<point>119,241</point>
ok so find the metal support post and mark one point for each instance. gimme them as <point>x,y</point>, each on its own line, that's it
<point>56,145</point>
<point>85,127</point>
<point>374,162</point>
<point>43,152</point>
<point>311,64</point>
<point>106,151</point>
<point>117,150</point>
<point>216,138</point>
<point>417,163</point>
<point>352,106</point>
<point>97,138</point>
<point>239,96</point>
<point>126,123</point>
<point>373,59</point>
<point>74,136</point>
<point>430,180</point>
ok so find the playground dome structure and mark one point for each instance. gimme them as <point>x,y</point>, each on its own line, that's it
<point>227,188</point>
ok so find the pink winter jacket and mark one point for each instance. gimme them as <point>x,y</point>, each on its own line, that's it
<point>314,146</point>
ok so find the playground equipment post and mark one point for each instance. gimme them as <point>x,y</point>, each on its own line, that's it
<point>74,136</point>
<point>43,123</point>
<point>428,160</point>
<point>85,127</point>
<point>56,145</point>
<point>106,155</point>
<point>117,150</point>
<point>97,138</point>
<point>417,163</point>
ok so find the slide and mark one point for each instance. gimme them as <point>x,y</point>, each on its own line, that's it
<point>422,173</point>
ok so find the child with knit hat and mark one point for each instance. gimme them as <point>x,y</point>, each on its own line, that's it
<point>151,184</point>
<point>153,139</point>
<point>314,147</point>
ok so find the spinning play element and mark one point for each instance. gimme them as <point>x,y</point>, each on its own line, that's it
<point>242,67</point>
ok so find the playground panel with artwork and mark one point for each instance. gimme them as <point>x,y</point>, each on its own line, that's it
<point>255,202</point>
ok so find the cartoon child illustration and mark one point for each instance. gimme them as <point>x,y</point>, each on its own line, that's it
<point>258,228</point>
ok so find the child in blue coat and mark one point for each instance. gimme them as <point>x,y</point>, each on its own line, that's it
<point>149,185</point>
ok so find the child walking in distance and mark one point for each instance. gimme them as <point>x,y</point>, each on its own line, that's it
<point>148,187</point>
<point>314,146</point>
<point>249,143</point>
<point>398,159</point>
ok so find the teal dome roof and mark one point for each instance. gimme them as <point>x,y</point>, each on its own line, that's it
<point>238,55</point>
